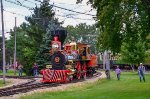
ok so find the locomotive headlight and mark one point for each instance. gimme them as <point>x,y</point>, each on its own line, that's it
<point>55,46</point>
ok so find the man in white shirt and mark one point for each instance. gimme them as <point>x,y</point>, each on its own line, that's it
<point>141,70</point>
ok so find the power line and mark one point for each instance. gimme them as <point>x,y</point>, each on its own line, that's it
<point>40,1</point>
<point>31,2</point>
<point>18,4</point>
<point>72,10</point>
<point>54,3</point>
<point>65,16</point>
<point>58,3</point>
<point>69,4</point>
<point>67,9</point>
<point>14,13</point>
<point>4,33</point>
<point>50,5</point>
<point>76,6</point>
<point>72,17</point>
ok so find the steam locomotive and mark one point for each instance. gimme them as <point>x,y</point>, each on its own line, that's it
<point>68,62</point>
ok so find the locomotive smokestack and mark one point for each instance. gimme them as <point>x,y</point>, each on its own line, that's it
<point>61,34</point>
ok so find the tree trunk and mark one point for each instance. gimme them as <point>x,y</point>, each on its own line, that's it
<point>132,68</point>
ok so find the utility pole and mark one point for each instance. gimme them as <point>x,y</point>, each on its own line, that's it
<point>4,62</point>
<point>15,48</point>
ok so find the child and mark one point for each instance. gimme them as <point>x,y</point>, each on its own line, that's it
<point>35,69</point>
<point>118,72</point>
<point>20,67</point>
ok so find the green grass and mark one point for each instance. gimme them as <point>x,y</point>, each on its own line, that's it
<point>2,84</point>
<point>129,87</point>
<point>10,73</point>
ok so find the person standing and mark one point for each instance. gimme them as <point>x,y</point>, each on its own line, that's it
<point>141,70</point>
<point>118,72</point>
<point>20,67</point>
<point>35,69</point>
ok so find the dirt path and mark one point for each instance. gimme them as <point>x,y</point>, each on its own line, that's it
<point>59,88</point>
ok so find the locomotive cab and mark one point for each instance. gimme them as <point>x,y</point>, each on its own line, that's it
<point>84,51</point>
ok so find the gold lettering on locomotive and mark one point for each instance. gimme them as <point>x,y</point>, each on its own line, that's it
<point>57,59</point>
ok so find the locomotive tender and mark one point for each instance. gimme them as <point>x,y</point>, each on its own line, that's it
<point>68,62</point>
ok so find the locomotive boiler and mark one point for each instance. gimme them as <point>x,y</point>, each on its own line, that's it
<point>68,61</point>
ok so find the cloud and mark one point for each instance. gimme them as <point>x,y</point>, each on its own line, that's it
<point>75,18</point>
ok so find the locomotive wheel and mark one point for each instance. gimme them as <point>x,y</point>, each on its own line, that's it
<point>58,61</point>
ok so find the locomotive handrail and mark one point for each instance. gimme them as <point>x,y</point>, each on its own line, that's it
<point>77,60</point>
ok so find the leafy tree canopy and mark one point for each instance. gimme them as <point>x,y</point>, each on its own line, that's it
<point>31,34</point>
<point>83,33</point>
<point>124,25</point>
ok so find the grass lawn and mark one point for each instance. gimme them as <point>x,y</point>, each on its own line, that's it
<point>2,84</point>
<point>129,87</point>
<point>10,73</point>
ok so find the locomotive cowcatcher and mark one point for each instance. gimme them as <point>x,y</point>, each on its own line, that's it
<point>68,62</point>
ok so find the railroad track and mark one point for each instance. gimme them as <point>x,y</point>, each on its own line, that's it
<point>22,77</point>
<point>32,85</point>
<point>24,87</point>
<point>91,77</point>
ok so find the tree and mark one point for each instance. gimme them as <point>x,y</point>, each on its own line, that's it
<point>23,49</point>
<point>83,33</point>
<point>38,28</point>
<point>124,26</point>
<point>115,16</point>
<point>43,55</point>
<point>133,53</point>
<point>30,35</point>
<point>38,22</point>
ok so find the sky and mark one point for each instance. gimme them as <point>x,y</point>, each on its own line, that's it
<point>13,9</point>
